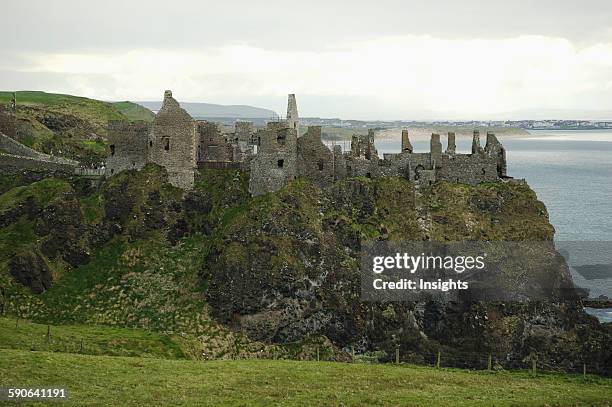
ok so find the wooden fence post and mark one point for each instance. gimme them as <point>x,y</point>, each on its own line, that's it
<point>489,365</point>
<point>533,366</point>
<point>318,359</point>
<point>438,361</point>
<point>584,370</point>
<point>397,355</point>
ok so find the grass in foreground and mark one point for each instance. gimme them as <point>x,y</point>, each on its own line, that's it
<point>103,380</point>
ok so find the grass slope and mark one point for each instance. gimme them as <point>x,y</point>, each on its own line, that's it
<point>134,111</point>
<point>94,111</point>
<point>99,380</point>
<point>91,340</point>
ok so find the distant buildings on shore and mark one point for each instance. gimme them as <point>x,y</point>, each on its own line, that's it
<point>389,124</point>
<point>522,124</point>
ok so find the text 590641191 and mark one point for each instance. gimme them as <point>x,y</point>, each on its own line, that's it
<point>33,393</point>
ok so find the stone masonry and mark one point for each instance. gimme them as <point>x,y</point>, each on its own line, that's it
<point>172,142</point>
<point>276,155</point>
<point>284,156</point>
<point>128,146</point>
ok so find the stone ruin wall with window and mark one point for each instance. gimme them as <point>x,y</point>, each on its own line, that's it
<point>308,157</point>
<point>276,155</point>
<point>127,143</point>
<point>172,142</point>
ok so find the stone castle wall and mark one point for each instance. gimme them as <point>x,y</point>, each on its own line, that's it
<point>276,161</point>
<point>212,144</point>
<point>127,146</point>
<point>322,166</point>
<point>277,155</point>
<point>314,160</point>
<point>14,164</point>
<point>172,143</point>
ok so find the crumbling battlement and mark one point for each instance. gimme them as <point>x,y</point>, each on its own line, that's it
<point>363,146</point>
<point>282,156</point>
<point>276,154</point>
<point>176,142</point>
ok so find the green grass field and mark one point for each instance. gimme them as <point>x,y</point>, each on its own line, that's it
<point>103,366</point>
<point>125,381</point>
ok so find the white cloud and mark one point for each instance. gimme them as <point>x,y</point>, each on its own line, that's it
<point>408,76</point>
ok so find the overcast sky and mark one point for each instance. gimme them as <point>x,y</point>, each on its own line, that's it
<point>384,59</point>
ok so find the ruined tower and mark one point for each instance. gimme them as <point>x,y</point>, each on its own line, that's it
<point>172,142</point>
<point>476,143</point>
<point>292,114</point>
<point>494,149</point>
<point>436,147</point>
<point>406,145</point>
<point>452,147</point>
<point>276,161</point>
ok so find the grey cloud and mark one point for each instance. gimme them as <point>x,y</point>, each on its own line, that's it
<point>78,26</point>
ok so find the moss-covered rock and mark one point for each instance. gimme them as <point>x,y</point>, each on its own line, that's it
<point>288,266</point>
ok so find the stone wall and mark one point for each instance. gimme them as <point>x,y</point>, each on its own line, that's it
<point>172,142</point>
<point>243,134</point>
<point>315,161</point>
<point>212,144</point>
<point>363,146</point>
<point>15,148</point>
<point>8,124</point>
<point>13,164</point>
<point>276,161</point>
<point>128,145</point>
<point>11,146</point>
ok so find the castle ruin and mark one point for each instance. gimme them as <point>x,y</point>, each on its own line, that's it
<point>277,154</point>
<point>285,156</point>
<point>273,155</point>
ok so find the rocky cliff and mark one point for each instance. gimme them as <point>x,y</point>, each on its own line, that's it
<point>246,275</point>
<point>288,267</point>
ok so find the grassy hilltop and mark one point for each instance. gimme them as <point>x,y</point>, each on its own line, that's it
<point>70,126</point>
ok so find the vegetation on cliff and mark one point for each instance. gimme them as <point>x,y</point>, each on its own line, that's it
<point>270,275</point>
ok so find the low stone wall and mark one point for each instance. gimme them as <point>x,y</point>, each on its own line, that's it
<point>13,164</point>
<point>16,148</point>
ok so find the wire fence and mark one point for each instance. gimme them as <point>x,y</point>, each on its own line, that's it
<point>443,358</point>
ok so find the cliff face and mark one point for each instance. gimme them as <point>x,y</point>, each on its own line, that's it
<point>280,268</point>
<point>288,267</point>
